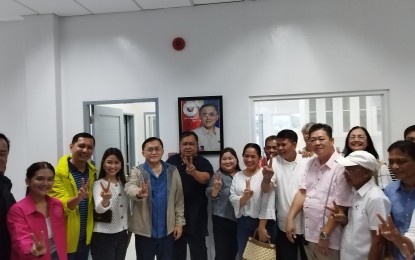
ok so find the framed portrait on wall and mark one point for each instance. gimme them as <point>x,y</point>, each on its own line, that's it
<point>203,116</point>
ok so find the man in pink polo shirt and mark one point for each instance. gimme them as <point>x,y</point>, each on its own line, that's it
<point>322,184</point>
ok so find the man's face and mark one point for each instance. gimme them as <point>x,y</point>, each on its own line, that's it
<point>410,136</point>
<point>271,148</point>
<point>322,143</point>
<point>209,116</point>
<point>356,176</point>
<point>286,148</point>
<point>153,152</point>
<point>82,150</point>
<point>4,153</point>
<point>402,165</point>
<point>188,146</point>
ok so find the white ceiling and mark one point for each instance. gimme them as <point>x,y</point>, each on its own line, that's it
<point>11,10</point>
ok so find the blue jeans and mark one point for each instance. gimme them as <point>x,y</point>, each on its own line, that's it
<point>146,248</point>
<point>109,246</point>
<point>82,252</point>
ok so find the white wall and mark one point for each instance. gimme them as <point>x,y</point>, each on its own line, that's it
<point>235,50</point>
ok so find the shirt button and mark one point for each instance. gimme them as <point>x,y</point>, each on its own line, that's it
<point>120,206</point>
<point>119,194</point>
<point>122,217</point>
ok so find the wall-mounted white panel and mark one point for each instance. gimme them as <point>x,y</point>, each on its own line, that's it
<point>156,4</point>
<point>109,6</point>
<point>204,2</point>
<point>60,8</point>
<point>11,11</point>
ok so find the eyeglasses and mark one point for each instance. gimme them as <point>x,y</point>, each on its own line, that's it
<point>154,149</point>
<point>349,172</point>
<point>212,114</point>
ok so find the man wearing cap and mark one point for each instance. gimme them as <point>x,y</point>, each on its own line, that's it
<point>360,239</point>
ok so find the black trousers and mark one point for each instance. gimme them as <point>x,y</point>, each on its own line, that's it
<point>197,246</point>
<point>287,250</point>
<point>225,237</point>
<point>109,246</point>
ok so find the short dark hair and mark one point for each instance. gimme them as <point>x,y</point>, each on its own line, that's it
<point>4,137</point>
<point>370,146</point>
<point>288,134</point>
<point>208,105</point>
<point>188,133</point>
<point>151,139</point>
<point>82,135</point>
<point>120,175</point>
<point>270,138</point>
<point>252,145</point>
<point>320,126</point>
<point>404,146</point>
<point>408,130</point>
<point>231,151</point>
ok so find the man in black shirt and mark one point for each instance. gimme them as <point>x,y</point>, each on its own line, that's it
<point>195,172</point>
<point>6,198</point>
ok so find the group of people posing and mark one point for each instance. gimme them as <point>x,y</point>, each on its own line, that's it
<point>313,203</point>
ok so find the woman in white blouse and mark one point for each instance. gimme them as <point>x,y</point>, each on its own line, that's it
<point>110,239</point>
<point>249,203</point>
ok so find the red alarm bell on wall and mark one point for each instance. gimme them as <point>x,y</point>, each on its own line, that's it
<point>178,43</point>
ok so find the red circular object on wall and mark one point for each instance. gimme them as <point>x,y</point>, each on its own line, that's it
<point>178,44</point>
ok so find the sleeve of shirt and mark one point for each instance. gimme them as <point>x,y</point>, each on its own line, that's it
<point>179,200</point>
<point>20,231</point>
<point>381,206</point>
<point>235,198</point>
<point>411,231</point>
<point>98,199</point>
<point>343,192</point>
<point>204,166</point>
<point>59,191</point>
<point>267,205</point>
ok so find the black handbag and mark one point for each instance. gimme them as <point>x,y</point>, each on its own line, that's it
<point>105,217</point>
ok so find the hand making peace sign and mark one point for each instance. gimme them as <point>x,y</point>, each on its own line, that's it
<point>106,192</point>
<point>217,183</point>
<point>83,192</point>
<point>267,170</point>
<point>190,168</point>
<point>248,193</point>
<point>38,248</point>
<point>337,213</point>
<point>143,192</point>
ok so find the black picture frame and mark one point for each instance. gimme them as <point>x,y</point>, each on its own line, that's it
<point>191,120</point>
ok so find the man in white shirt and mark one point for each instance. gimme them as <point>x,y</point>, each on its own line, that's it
<point>287,170</point>
<point>360,239</point>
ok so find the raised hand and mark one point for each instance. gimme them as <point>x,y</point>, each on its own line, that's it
<point>83,192</point>
<point>143,192</point>
<point>248,193</point>
<point>267,170</point>
<point>305,154</point>
<point>217,183</point>
<point>106,192</point>
<point>190,168</point>
<point>337,214</point>
<point>388,229</point>
<point>38,248</point>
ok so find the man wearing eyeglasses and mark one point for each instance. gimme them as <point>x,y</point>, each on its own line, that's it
<point>368,201</point>
<point>156,190</point>
<point>208,133</point>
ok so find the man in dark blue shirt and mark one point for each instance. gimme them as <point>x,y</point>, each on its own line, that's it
<point>195,172</point>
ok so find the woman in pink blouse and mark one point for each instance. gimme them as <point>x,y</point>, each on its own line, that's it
<point>37,223</point>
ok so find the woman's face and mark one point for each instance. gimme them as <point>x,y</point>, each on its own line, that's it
<point>357,140</point>
<point>228,162</point>
<point>40,184</point>
<point>111,166</point>
<point>251,159</point>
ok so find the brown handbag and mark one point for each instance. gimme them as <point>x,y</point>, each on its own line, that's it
<point>256,249</point>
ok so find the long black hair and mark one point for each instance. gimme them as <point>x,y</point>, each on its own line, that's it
<point>121,173</point>
<point>370,148</point>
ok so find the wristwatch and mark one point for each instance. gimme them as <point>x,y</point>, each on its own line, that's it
<point>324,236</point>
